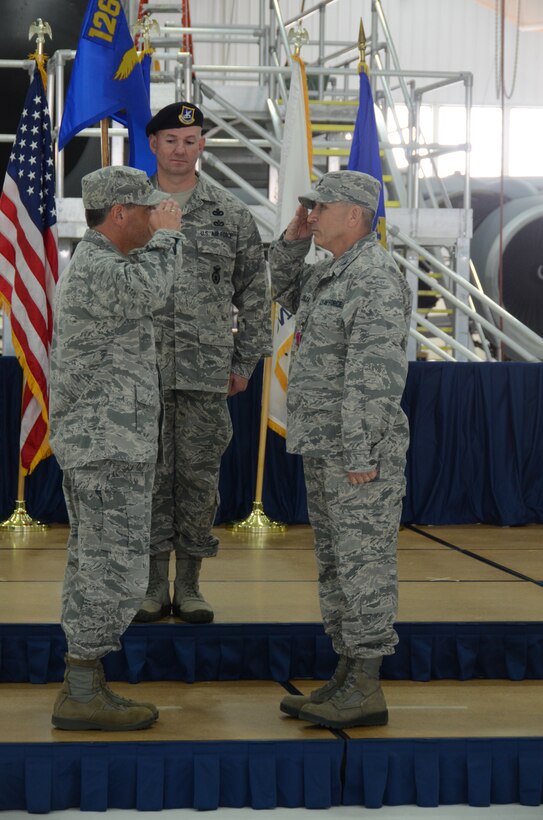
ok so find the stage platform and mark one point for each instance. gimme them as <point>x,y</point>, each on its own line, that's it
<point>463,689</point>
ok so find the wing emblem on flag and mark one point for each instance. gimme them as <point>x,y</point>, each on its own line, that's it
<point>128,63</point>
<point>107,62</point>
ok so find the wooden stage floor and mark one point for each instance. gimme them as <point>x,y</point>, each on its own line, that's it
<point>461,573</point>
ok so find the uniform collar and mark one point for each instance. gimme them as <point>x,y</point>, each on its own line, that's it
<point>342,263</point>
<point>203,192</point>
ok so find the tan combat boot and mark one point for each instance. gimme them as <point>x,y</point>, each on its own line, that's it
<point>359,702</point>
<point>291,704</point>
<point>115,698</point>
<point>157,602</point>
<point>188,602</point>
<point>83,702</point>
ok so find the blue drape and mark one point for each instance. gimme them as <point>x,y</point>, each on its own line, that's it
<point>34,653</point>
<point>314,774</point>
<point>149,776</point>
<point>473,771</point>
<point>475,452</point>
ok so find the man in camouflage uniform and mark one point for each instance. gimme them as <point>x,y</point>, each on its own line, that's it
<point>346,379</point>
<point>201,360</point>
<point>105,406</point>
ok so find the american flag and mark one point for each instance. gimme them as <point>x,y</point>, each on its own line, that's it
<point>29,264</point>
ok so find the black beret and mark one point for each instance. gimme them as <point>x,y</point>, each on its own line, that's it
<point>176,115</point>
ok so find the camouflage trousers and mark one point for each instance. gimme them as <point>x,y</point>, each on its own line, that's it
<point>356,535</point>
<point>196,432</point>
<point>107,571</point>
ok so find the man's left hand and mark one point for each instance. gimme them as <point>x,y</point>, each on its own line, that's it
<point>362,478</point>
<point>237,384</point>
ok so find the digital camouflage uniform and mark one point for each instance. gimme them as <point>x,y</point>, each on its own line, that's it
<point>346,379</point>
<point>104,412</point>
<point>223,265</point>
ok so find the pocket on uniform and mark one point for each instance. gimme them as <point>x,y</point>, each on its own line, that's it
<point>146,409</point>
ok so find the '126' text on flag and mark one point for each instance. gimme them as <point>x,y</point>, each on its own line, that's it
<point>107,81</point>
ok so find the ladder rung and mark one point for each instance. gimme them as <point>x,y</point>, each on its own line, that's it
<point>338,103</point>
<point>329,126</point>
<point>441,311</point>
<point>422,329</point>
<point>331,152</point>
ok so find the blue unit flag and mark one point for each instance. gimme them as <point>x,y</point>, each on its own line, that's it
<point>365,155</point>
<point>108,81</point>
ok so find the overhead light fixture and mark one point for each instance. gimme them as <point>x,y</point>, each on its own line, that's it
<point>531,12</point>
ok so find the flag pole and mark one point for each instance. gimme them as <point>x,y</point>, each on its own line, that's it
<point>362,65</point>
<point>258,521</point>
<point>104,141</point>
<point>20,520</point>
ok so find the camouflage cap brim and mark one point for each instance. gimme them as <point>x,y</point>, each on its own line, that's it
<point>344,186</point>
<point>153,198</point>
<point>308,200</point>
<point>118,185</point>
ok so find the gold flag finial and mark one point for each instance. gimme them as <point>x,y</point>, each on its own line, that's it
<point>362,65</point>
<point>298,37</point>
<point>38,29</point>
<point>144,28</point>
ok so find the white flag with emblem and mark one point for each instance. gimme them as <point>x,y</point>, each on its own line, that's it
<point>294,180</point>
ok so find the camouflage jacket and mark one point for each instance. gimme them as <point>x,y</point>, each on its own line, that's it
<point>105,398</point>
<point>223,265</point>
<point>348,364</point>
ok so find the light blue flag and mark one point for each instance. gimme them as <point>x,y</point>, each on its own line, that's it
<point>107,81</point>
<point>364,154</point>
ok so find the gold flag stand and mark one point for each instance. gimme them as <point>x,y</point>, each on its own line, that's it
<point>258,521</point>
<point>19,520</point>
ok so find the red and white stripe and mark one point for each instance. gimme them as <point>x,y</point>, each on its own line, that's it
<point>28,275</point>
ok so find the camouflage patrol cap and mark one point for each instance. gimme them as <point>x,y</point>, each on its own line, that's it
<point>118,185</point>
<point>175,115</point>
<point>344,186</point>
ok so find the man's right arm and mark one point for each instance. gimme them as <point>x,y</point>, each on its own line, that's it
<point>139,285</point>
<point>286,258</point>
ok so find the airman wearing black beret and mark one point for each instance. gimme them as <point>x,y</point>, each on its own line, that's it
<point>176,115</point>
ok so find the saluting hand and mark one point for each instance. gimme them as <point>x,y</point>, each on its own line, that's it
<point>167,215</point>
<point>298,227</point>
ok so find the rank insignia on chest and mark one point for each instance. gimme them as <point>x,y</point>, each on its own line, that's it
<point>218,223</point>
<point>218,212</point>
<point>216,275</point>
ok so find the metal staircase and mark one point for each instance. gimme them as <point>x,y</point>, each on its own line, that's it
<point>244,107</point>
